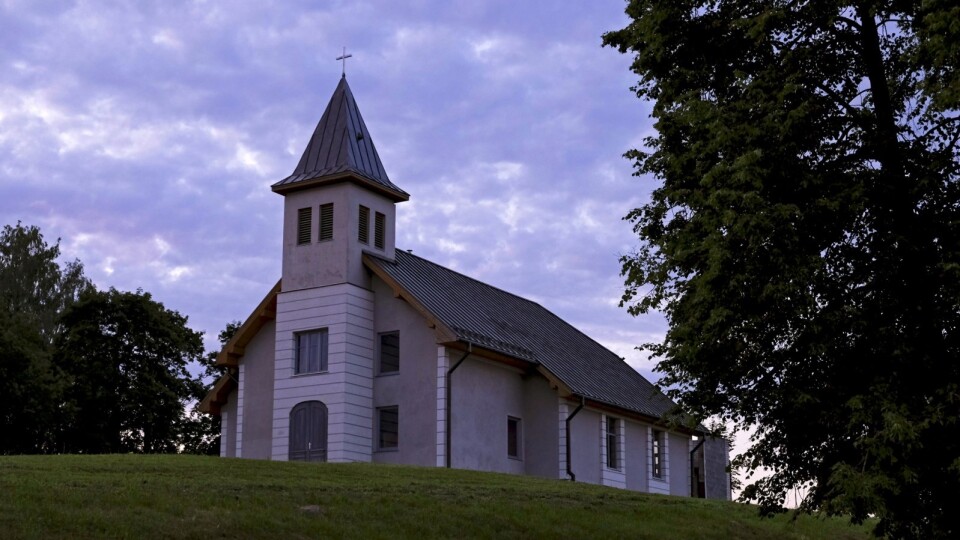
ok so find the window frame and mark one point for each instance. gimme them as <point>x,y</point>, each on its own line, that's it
<point>381,445</point>
<point>656,454</point>
<point>518,438</point>
<point>613,457</point>
<point>323,352</point>
<point>380,349</point>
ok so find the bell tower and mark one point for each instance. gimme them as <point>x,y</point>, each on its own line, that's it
<point>338,204</point>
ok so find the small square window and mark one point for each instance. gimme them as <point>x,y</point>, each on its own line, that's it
<point>311,353</point>
<point>514,437</point>
<point>613,446</point>
<point>390,352</point>
<point>389,425</point>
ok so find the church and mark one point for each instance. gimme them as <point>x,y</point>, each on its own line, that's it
<point>366,352</point>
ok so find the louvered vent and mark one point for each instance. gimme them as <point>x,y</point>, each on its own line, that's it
<point>304,217</point>
<point>364,231</point>
<point>326,221</point>
<point>380,230</point>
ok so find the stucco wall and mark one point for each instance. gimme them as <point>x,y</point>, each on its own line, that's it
<point>335,261</point>
<point>638,450</point>
<point>413,389</point>
<point>540,428</point>
<point>257,382</point>
<point>679,464</point>
<point>484,395</point>
<point>585,446</point>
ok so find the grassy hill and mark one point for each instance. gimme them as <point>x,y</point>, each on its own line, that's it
<point>126,496</point>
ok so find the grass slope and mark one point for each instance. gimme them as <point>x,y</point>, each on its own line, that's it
<point>127,496</point>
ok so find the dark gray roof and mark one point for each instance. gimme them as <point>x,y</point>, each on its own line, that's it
<point>495,319</point>
<point>341,145</point>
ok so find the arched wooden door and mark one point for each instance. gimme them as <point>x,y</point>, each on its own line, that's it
<point>308,432</point>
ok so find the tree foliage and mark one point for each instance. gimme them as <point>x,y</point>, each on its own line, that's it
<point>201,434</point>
<point>126,356</point>
<point>803,241</point>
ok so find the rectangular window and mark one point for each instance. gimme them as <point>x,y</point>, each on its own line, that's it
<point>326,221</point>
<point>363,232</point>
<point>390,352</point>
<point>379,230</point>
<point>311,353</point>
<point>389,422</point>
<point>514,436</point>
<point>613,454</point>
<point>657,468</point>
<point>304,219</point>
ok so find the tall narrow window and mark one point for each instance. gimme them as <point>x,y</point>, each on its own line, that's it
<point>304,219</point>
<point>389,420</point>
<point>613,447</point>
<point>390,352</point>
<point>380,230</point>
<point>657,468</point>
<point>514,436</point>
<point>363,233</point>
<point>326,221</point>
<point>311,353</point>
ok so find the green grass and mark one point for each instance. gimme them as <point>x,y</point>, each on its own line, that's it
<point>127,496</point>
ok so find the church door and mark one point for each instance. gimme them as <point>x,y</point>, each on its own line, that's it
<point>308,432</point>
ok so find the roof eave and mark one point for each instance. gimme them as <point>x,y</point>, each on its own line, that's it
<point>217,396</point>
<point>234,349</point>
<point>347,176</point>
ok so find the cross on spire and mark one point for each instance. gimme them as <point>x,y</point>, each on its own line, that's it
<point>344,57</point>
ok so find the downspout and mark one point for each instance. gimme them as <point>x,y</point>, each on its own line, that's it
<point>573,477</point>
<point>693,488</point>
<point>449,405</point>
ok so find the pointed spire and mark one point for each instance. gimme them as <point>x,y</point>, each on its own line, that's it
<point>341,149</point>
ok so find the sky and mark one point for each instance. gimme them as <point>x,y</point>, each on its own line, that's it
<point>146,135</point>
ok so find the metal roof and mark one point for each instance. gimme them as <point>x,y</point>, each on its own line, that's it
<point>495,319</point>
<point>341,148</point>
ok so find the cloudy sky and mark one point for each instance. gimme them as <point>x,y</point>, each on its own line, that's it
<point>146,136</point>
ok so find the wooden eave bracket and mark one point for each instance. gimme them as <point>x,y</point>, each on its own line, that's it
<point>234,349</point>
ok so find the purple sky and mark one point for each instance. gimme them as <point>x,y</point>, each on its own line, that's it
<point>146,135</point>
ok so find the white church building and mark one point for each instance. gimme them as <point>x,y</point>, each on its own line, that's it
<point>366,352</point>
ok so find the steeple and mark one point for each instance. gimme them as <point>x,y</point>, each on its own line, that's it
<point>341,150</point>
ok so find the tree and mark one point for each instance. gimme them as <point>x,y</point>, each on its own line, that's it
<point>804,241</point>
<point>126,356</point>
<point>32,283</point>
<point>201,434</point>
<point>34,290</point>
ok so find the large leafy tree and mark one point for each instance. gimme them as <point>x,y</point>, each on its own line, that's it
<point>34,290</point>
<point>126,356</point>
<point>803,241</point>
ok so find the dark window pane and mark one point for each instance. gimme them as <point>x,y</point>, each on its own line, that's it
<point>389,427</point>
<point>513,437</point>
<point>311,353</point>
<point>613,459</point>
<point>389,352</point>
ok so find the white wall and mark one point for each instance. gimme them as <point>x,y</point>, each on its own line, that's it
<point>346,389</point>
<point>256,383</point>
